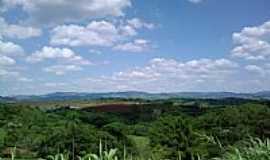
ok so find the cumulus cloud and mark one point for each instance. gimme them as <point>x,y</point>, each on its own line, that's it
<point>127,30</point>
<point>262,69</point>
<point>62,69</point>
<point>10,49</point>
<point>161,75</point>
<point>6,61</point>
<point>17,31</point>
<point>4,73</point>
<point>60,11</point>
<point>138,45</point>
<point>166,68</point>
<point>253,43</point>
<point>65,55</point>
<point>97,33</point>
<point>8,52</point>
<point>138,23</point>
<point>100,33</point>
<point>166,75</point>
<point>130,27</point>
<point>254,68</point>
<point>7,67</point>
<point>66,60</point>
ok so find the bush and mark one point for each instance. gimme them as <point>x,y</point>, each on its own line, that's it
<point>256,149</point>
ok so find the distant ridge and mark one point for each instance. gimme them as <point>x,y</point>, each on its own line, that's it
<point>135,94</point>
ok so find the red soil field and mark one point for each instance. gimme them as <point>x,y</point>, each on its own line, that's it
<point>115,107</point>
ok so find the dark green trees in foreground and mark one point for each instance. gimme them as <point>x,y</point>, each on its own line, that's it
<point>177,136</point>
<point>156,131</point>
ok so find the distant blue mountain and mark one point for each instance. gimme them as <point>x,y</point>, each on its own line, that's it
<point>263,94</point>
<point>135,94</point>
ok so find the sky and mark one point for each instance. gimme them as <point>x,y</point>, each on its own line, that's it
<point>134,45</point>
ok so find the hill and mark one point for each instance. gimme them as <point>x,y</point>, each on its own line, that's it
<point>135,94</point>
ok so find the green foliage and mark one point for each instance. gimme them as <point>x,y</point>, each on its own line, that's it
<point>141,146</point>
<point>163,129</point>
<point>59,156</point>
<point>103,155</point>
<point>178,136</point>
<point>255,149</point>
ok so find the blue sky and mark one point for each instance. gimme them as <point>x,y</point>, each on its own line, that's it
<point>120,45</point>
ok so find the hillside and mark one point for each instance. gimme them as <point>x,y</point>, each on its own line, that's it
<point>134,95</point>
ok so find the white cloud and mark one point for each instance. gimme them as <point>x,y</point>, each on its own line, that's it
<point>130,27</point>
<point>6,61</point>
<point>195,1</point>
<point>98,33</point>
<point>66,60</point>
<point>127,30</point>
<point>25,79</point>
<point>137,74</point>
<point>138,45</point>
<point>167,75</point>
<point>202,68</point>
<point>17,31</point>
<point>138,23</point>
<point>253,43</point>
<point>58,84</point>
<point>94,51</point>
<point>60,11</point>
<point>62,69</point>
<point>4,73</point>
<point>65,55</point>
<point>262,69</point>
<point>254,68</point>
<point>10,49</point>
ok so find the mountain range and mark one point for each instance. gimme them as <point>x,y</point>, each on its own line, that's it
<point>135,94</point>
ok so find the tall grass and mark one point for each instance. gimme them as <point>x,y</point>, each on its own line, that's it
<point>254,149</point>
<point>103,155</point>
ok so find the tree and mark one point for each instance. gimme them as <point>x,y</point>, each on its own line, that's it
<point>177,134</point>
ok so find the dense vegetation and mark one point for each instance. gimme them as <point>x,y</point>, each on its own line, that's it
<point>163,129</point>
